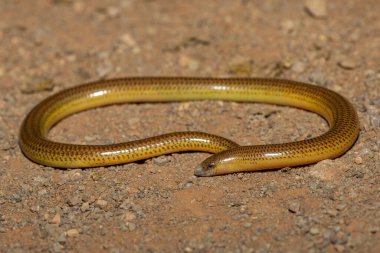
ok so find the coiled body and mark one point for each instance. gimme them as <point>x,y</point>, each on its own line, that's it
<point>339,113</point>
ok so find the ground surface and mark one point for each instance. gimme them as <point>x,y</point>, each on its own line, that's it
<point>158,205</point>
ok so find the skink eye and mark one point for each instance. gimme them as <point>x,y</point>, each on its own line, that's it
<point>210,166</point>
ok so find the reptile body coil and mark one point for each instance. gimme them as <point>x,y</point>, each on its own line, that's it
<point>229,157</point>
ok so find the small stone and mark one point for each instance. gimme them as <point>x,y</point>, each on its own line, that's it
<point>332,212</point>
<point>101,203</point>
<point>42,192</point>
<point>131,226</point>
<point>128,40</point>
<point>85,207</point>
<point>340,207</point>
<point>74,201</point>
<point>56,219</point>
<point>61,239</point>
<point>341,237</point>
<point>89,138</point>
<point>78,6</point>
<point>352,194</point>
<point>314,231</point>
<point>57,247</point>
<point>243,209</point>
<point>71,57</point>
<point>113,12</point>
<point>287,25</point>
<point>347,64</point>
<point>247,224</point>
<point>358,160</point>
<point>294,207</point>
<point>104,70</point>
<point>319,78</point>
<point>35,209</point>
<point>330,235</point>
<point>190,63</point>
<point>298,67</point>
<point>339,248</point>
<point>374,230</point>
<point>302,224</point>
<point>327,170</point>
<point>316,8</point>
<point>188,184</point>
<point>188,249</point>
<point>16,198</point>
<point>41,84</point>
<point>128,216</point>
<point>72,232</point>
<point>337,88</point>
<point>162,160</point>
<point>365,152</point>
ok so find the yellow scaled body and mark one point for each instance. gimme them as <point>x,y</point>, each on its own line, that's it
<point>229,157</point>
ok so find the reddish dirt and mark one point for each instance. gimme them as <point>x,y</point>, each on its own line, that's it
<point>158,205</point>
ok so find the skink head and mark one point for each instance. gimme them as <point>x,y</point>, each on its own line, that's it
<point>218,164</point>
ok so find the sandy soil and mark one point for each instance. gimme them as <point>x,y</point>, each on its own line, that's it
<point>158,205</point>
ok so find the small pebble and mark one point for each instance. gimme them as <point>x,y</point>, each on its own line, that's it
<point>162,160</point>
<point>128,40</point>
<point>314,231</point>
<point>190,63</point>
<point>240,66</point>
<point>104,69</point>
<point>347,64</point>
<point>72,232</point>
<point>57,247</point>
<point>365,152</point>
<point>85,207</point>
<point>61,239</point>
<point>340,207</point>
<point>247,224</point>
<point>298,67</point>
<point>56,219</point>
<point>78,6</point>
<point>113,12</point>
<point>358,160</point>
<point>316,8</point>
<point>35,209</point>
<point>294,207</point>
<point>339,248</point>
<point>101,203</point>
<point>131,226</point>
<point>374,230</point>
<point>332,212</point>
<point>40,85</point>
<point>287,25</point>
<point>74,201</point>
<point>318,77</point>
<point>128,216</point>
<point>89,138</point>
<point>42,192</point>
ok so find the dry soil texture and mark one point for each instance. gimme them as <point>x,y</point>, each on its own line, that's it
<point>158,205</point>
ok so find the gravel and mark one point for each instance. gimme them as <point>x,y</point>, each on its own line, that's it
<point>158,205</point>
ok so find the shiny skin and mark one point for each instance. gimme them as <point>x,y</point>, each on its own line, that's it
<point>229,157</point>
